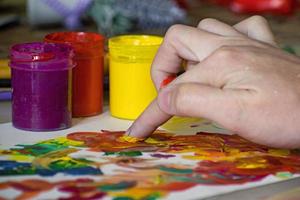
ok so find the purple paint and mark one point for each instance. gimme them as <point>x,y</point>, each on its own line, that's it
<point>41,83</point>
<point>158,155</point>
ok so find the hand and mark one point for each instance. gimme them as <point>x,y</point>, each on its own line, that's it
<point>235,77</point>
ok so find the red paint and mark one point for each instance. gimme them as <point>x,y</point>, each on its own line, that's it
<point>167,80</point>
<point>87,95</point>
<point>259,6</point>
<point>251,6</point>
<point>177,186</point>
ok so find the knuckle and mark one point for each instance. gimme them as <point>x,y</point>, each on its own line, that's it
<point>206,22</point>
<point>226,53</point>
<point>258,19</point>
<point>172,32</point>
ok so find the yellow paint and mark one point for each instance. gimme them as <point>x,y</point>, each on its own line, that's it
<point>252,163</point>
<point>137,193</point>
<point>127,138</point>
<point>65,141</point>
<point>158,180</point>
<point>16,156</point>
<point>230,155</point>
<point>4,69</point>
<point>183,124</point>
<point>21,158</point>
<point>45,160</point>
<point>279,152</point>
<point>131,87</point>
<point>153,141</point>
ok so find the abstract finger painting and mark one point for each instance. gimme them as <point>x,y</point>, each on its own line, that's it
<point>95,165</point>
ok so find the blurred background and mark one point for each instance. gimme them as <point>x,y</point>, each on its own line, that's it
<point>26,21</point>
<point>30,20</point>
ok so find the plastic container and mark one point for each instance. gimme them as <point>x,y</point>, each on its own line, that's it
<point>88,74</point>
<point>131,87</point>
<point>51,12</point>
<point>41,76</point>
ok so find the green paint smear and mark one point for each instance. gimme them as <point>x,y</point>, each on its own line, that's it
<point>118,186</point>
<point>39,149</point>
<point>124,153</point>
<point>123,198</point>
<point>66,164</point>
<point>284,175</point>
<point>289,49</point>
<point>175,170</point>
<point>47,146</point>
<point>83,160</point>
<point>152,196</point>
<point>196,179</point>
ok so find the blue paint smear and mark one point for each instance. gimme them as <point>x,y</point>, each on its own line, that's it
<point>19,168</point>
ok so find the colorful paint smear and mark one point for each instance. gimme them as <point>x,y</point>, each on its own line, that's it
<point>149,169</point>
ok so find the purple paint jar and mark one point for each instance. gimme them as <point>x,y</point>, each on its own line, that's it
<point>41,83</point>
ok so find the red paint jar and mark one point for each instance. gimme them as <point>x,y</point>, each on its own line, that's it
<point>88,74</point>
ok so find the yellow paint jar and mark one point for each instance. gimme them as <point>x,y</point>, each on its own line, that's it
<point>131,87</point>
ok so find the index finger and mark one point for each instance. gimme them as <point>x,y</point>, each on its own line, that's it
<point>148,121</point>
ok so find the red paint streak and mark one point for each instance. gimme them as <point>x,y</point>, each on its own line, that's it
<point>167,80</point>
<point>32,185</point>
<point>82,192</point>
<point>177,186</point>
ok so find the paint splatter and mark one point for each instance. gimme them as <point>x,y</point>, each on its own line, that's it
<point>159,155</point>
<point>148,169</point>
<point>127,138</point>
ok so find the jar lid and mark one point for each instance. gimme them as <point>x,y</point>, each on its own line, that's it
<point>41,56</point>
<point>85,44</point>
<point>134,47</point>
<point>135,41</point>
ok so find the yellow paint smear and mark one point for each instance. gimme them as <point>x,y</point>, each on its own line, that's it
<point>127,138</point>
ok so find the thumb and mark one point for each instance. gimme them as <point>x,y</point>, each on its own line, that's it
<point>199,100</point>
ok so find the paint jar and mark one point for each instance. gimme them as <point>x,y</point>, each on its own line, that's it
<point>87,90</point>
<point>131,87</point>
<point>41,86</point>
